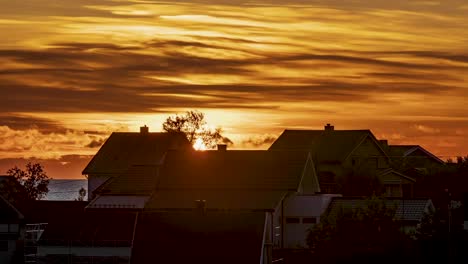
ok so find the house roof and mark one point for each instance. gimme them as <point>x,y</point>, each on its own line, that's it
<point>409,151</point>
<point>251,180</point>
<point>44,211</point>
<point>136,180</point>
<point>8,212</point>
<point>246,170</point>
<point>91,229</point>
<point>221,199</point>
<point>391,176</point>
<point>406,209</point>
<point>193,237</point>
<point>324,145</point>
<point>122,150</point>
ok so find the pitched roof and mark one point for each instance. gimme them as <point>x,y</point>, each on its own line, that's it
<point>122,150</point>
<point>91,229</point>
<point>8,212</point>
<point>391,176</point>
<point>406,209</point>
<point>215,199</point>
<point>407,151</point>
<point>325,145</point>
<point>192,237</point>
<point>44,211</point>
<point>236,169</point>
<point>251,180</point>
<point>137,180</point>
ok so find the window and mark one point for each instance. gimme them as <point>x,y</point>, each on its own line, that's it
<point>309,220</point>
<point>3,228</point>
<point>292,220</point>
<point>3,245</point>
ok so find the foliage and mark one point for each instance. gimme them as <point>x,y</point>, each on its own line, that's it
<point>194,126</point>
<point>367,230</point>
<point>81,194</point>
<point>429,227</point>
<point>34,181</point>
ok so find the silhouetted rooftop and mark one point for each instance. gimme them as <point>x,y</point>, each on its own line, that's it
<point>193,237</point>
<point>91,229</point>
<point>8,212</point>
<point>221,199</point>
<point>44,211</point>
<point>325,145</point>
<point>391,176</point>
<point>122,150</point>
<point>402,151</point>
<point>137,180</point>
<point>233,170</point>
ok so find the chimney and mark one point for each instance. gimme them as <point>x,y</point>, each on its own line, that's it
<point>200,206</point>
<point>383,143</point>
<point>329,127</point>
<point>222,147</point>
<point>144,130</point>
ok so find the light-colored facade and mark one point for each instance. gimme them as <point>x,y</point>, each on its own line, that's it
<point>295,216</point>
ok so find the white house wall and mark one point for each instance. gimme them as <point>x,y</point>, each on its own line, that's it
<point>94,181</point>
<point>302,207</point>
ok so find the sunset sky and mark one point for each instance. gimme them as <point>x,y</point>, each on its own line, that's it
<point>71,72</point>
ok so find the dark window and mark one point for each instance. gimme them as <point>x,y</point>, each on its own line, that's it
<point>292,220</point>
<point>309,220</point>
<point>3,245</point>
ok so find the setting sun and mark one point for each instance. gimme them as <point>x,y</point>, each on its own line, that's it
<point>199,145</point>
<point>75,71</point>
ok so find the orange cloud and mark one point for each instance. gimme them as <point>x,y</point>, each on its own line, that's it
<point>257,68</point>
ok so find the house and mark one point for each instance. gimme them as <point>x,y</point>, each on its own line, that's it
<point>11,222</point>
<point>63,232</point>
<point>231,202</point>
<point>125,149</point>
<point>88,237</point>
<point>229,237</point>
<point>413,159</point>
<point>301,213</point>
<point>130,189</point>
<point>343,157</point>
<point>244,182</point>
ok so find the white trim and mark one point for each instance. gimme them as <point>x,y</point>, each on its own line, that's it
<point>262,248</point>
<point>376,142</point>
<point>408,152</point>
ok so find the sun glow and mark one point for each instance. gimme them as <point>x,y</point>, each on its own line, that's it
<point>199,145</point>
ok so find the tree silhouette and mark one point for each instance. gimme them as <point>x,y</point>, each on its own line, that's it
<point>194,126</point>
<point>364,233</point>
<point>81,194</point>
<point>34,181</point>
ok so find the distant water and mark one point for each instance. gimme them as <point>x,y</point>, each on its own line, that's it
<point>65,189</point>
